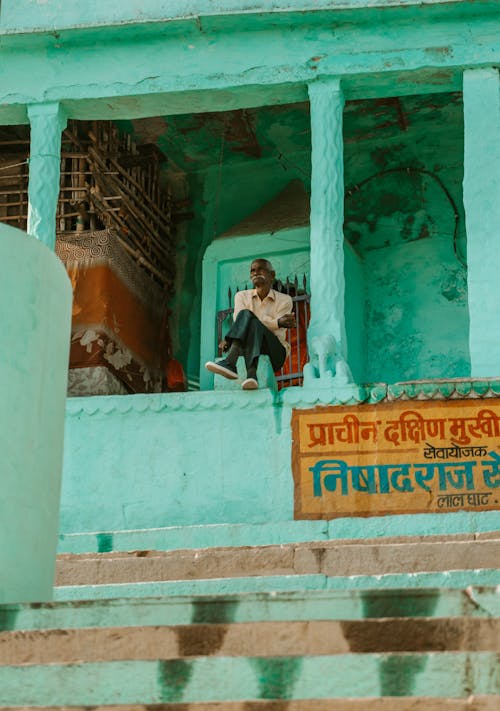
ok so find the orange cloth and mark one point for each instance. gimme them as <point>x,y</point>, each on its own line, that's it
<point>292,363</point>
<point>100,299</point>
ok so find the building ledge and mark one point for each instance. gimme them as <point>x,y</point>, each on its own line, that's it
<point>320,393</point>
<point>25,16</point>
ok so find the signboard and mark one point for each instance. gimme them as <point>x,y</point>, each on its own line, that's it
<point>396,457</point>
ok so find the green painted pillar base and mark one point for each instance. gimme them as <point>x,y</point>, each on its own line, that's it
<point>35,321</point>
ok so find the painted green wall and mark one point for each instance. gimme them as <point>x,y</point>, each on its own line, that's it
<point>355,297</point>
<point>35,317</point>
<point>49,14</point>
<point>164,68</point>
<point>193,459</point>
<point>144,461</point>
<point>482,205</point>
<point>403,203</point>
<point>189,458</point>
<point>417,313</point>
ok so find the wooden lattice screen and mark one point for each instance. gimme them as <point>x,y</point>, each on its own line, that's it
<point>107,180</point>
<point>14,150</point>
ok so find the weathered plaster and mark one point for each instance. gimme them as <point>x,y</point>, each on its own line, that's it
<point>148,463</point>
<point>415,330</point>
<point>375,58</point>
<point>405,279</point>
<point>183,483</point>
<point>355,325</point>
<point>37,15</point>
<point>405,221</point>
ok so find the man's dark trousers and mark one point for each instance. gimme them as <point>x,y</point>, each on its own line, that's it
<point>256,340</point>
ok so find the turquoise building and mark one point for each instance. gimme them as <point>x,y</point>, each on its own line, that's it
<point>356,144</point>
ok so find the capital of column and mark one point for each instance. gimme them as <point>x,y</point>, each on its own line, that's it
<point>325,87</point>
<point>47,121</point>
<point>481,74</point>
<point>50,110</point>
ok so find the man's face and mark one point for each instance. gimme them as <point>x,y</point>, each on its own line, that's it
<point>260,274</point>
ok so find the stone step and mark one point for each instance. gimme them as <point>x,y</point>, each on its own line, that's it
<point>213,678</point>
<point>366,621</point>
<point>249,639</point>
<point>264,625</point>
<point>291,583</point>
<point>438,603</point>
<point>471,703</point>
<point>263,534</point>
<point>324,558</point>
<point>318,650</point>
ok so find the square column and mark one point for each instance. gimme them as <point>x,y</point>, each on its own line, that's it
<point>481,94</point>
<point>326,334</point>
<point>47,123</point>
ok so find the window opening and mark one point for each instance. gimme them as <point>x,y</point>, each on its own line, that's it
<point>116,237</point>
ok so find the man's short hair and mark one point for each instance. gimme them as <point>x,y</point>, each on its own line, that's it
<point>269,266</point>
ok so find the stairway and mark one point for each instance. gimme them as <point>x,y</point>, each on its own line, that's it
<point>323,628</point>
<point>405,561</point>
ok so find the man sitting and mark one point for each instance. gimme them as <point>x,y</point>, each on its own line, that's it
<point>260,319</point>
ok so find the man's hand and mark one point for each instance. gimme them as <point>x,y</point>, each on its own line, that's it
<point>223,345</point>
<point>287,321</point>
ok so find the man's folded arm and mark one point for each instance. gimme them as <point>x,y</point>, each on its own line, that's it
<point>286,307</point>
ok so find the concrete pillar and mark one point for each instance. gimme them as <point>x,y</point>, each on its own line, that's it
<point>326,334</point>
<point>47,123</point>
<point>481,94</point>
<point>35,321</point>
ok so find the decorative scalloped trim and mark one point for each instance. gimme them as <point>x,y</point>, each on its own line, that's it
<point>455,389</point>
<point>208,400</point>
<point>323,395</point>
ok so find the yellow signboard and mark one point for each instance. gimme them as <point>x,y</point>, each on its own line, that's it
<point>396,457</point>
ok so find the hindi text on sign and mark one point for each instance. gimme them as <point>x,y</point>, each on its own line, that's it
<point>391,458</point>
